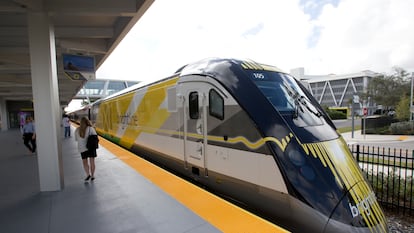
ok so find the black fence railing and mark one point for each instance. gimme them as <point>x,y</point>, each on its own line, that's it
<point>390,173</point>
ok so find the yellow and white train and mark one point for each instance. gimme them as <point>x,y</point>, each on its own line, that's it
<point>249,132</point>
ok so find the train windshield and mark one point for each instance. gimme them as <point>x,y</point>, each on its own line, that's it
<point>287,97</point>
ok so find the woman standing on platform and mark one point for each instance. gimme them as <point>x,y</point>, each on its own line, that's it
<point>88,156</point>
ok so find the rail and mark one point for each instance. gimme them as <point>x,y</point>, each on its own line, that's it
<point>390,173</point>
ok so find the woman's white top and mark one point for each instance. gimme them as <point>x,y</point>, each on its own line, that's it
<point>82,141</point>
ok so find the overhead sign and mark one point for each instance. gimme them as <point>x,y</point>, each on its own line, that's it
<point>80,76</point>
<point>79,67</point>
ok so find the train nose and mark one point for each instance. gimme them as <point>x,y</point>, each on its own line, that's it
<point>357,211</point>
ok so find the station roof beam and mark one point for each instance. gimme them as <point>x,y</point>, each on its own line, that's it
<point>92,28</point>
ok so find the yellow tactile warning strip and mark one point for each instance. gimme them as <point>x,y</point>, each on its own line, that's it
<point>218,212</point>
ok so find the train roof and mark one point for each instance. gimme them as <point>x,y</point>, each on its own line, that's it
<point>207,67</point>
<point>211,66</point>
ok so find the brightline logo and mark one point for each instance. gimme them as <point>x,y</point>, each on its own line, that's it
<point>363,206</point>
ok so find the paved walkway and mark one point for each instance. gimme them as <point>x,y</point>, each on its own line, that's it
<point>129,195</point>
<point>359,137</point>
<point>120,200</point>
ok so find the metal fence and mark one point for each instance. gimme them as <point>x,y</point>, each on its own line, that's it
<point>390,173</point>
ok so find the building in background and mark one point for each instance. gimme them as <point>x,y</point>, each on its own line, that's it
<point>97,89</point>
<point>337,91</point>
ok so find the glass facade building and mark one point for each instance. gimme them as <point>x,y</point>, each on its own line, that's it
<point>99,88</point>
<point>336,90</point>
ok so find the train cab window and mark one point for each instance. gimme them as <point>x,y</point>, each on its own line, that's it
<point>193,105</point>
<point>216,106</point>
<point>277,96</point>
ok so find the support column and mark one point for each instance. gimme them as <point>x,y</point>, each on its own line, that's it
<point>3,115</point>
<point>46,101</point>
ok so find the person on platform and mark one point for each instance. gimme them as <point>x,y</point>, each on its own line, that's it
<point>88,156</point>
<point>66,125</point>
<point>29,134</point>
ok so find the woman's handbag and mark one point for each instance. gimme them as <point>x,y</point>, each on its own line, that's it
<point>93,141</point>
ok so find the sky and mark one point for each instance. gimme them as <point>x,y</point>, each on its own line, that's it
<point>322,36</point>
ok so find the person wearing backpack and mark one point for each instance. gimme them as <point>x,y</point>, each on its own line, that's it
<point>88,156</point>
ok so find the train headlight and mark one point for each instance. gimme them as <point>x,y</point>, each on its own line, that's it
<point>296,157</point>
<point>307,172</point>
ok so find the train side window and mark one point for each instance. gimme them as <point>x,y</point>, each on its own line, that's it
<point>216,106</point>
<point>193,105</point>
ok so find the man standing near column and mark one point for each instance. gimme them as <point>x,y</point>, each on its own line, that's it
<point>66,125</point>
<point>29,134</point>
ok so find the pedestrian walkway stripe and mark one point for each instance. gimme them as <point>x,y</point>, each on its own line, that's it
<point>223,215</point>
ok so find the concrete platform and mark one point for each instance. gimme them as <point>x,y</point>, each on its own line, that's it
<point>128,195</point>
<point>119,200</point>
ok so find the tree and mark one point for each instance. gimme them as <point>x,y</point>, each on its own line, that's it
<point>387,90</point>
<point>402,111</point>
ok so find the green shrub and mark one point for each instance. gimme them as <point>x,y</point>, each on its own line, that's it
<point>392,188</point>
<point>402,128</point>
<point>335,115</point>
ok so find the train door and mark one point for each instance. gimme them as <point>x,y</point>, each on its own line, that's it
<point>195,120</point>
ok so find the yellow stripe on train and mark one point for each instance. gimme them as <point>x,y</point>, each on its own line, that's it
<point>336,156</point>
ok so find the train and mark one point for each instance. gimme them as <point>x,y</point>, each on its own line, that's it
<point>250,133</point>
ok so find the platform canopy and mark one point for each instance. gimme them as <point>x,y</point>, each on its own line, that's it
<point>89,28</point>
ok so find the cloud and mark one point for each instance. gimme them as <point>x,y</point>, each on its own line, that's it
<point>360,35</point>
<point>339,37</point>
<point>254,30</point>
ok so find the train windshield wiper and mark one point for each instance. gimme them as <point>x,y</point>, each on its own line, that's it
<point>303,101</point>
<point>296,112</point>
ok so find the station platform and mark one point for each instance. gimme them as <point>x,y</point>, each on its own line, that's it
<point>128,195</point>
